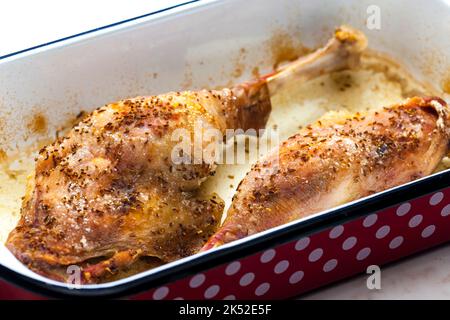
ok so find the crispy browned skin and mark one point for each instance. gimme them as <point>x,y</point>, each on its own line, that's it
<point>109,193</point>
<point>109,188</point>
<point>328,164</point>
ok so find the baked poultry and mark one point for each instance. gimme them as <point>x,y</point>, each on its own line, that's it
<point>108,193</point>
<point>333,162</point>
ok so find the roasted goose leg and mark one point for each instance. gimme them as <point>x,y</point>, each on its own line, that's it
<point>328,164</point>
<point>109,191</point>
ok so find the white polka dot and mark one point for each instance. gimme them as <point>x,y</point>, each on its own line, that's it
<point>363,253</point>
<point>246,279</point>
<point>330,265</point>
<point>268,255</point>
<point>396,242</point>
<point>403,209</point>
<point>178,298</point>
<point>428,231</point>
<point>436,198</point>
<point>382,232</point>
<point>160,293</point>
<point>349,243</point>
<point>315,255</point>
<point>302,243</point>
<point>296,277</point>
<point>262,289</point>
<point>370,220</point>
<point>415,221</point>
<point>212,291</point>
<point>445,211</point>
<point>230,297</point>
<point>281,266</point>
<point>336,232</point>
<point>233,268</point>
<point>197,280</point>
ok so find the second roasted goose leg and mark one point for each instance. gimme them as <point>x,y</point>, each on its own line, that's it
<point>329,164</point>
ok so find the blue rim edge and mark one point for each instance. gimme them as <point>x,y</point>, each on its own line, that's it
<point>224,255</point>
<point>96,29</point>
<point>276,237</point>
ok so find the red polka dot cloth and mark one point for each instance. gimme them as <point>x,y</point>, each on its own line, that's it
<point>330,255</point>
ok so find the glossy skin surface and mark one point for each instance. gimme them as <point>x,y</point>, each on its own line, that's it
<point>329,164</point>
<point>109,189</point>
<point>108,195</point>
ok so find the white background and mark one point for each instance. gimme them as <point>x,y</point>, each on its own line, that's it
<point>24,24</point>
<point>27,23</point>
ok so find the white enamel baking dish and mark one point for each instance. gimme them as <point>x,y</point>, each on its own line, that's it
<point>197,45</point>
